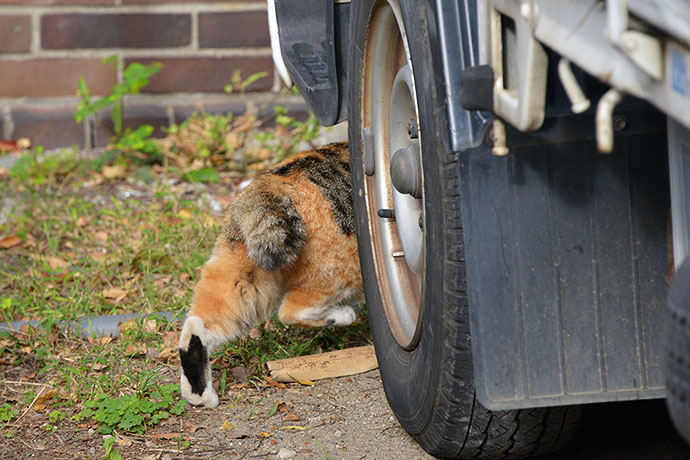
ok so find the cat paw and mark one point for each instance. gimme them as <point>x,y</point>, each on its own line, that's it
<point>208,398</point>
<point>341,316</point>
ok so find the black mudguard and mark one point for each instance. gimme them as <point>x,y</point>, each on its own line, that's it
<point>314,56</point>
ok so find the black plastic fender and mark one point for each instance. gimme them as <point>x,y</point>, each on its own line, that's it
<point>312,54</point>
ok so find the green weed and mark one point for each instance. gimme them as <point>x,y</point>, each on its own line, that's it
<point>135,77</point>
<point>7,413</point>
<point>111,452</point>
<point>133,412</point>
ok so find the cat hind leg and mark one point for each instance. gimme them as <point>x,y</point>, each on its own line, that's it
<point>312,309</point>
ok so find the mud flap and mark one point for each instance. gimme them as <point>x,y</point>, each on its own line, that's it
<point>567,264</point>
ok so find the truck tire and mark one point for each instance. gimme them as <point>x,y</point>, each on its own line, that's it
<point>415,282</point>
<point>678,351</point>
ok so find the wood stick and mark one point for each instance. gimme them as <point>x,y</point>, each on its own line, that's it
<point>323,365</point>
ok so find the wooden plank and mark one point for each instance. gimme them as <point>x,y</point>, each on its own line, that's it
<point>323,365</point>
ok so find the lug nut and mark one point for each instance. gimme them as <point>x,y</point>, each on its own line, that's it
<point>386,213</point>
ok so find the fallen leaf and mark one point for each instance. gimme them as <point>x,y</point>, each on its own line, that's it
<point>168,353</point>
<point>125,326</point>
<point>308,383</point>
<point>122,440</point>
<point>53,262</point>
<point>184,214</point>
<point>151,325</point>
<point>113,172</point>
<point>98,366</point>
<point>291,417</point>
<point>241,373</point>
<point>97,256</point>
<point>135,349</point>
<point>101,236</point>
<point>100,340</point>
<point>42,400</point>
<point>227,425</point>
<point>115,294</point>
<point>171,339</point>
<point>274,384</point>
<point>295,427</point>
<point>264,434</point>
<point>27,375</point>
<point>10,241</point>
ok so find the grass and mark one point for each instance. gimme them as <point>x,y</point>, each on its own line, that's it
<point>77,244</point>
<point>127,232</point>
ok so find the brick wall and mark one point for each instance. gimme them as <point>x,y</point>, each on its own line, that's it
<point>46,45</point>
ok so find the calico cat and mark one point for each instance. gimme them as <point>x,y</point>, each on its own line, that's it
<point>288,240</point>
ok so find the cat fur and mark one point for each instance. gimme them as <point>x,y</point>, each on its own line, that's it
<point>287,241</point>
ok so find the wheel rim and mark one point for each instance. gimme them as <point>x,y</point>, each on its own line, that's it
<point>389,107</point>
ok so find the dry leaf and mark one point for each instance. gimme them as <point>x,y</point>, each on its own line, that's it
<point>113,172</point>
<point>81,221</point>
<point>10,241</point>
<point>53,262</point>
<point>115,294</point>
<point>264,434</point>
<point>241,373</point>
<point>295,427</point>
<point>126,326</point>
<point>135,349</point>
<point>274,384</point>
<point>97,256</point>
<point>43,399</point>
<point>100,340</point>
<point>283,407</point>
<point>292,417</point>
<point>184,214</point>
<point>122,440</point>
<point>227,425</point>
<point>309,383</point>
<point>171,339</point>
<point>101,236</point>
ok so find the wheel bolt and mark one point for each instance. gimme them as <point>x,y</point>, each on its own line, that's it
<point>386,213</point>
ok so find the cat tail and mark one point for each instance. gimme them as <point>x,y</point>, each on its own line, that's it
<point>269,225</point>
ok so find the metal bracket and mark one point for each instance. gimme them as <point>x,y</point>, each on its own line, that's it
<point>518,60</point>
<point>643,49</point>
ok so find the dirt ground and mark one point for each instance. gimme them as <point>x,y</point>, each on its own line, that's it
<point>342,418</point>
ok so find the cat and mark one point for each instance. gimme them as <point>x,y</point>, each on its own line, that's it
<point>287,240</point>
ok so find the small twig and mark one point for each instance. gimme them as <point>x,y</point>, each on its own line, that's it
<point>19,382</point>
<point>40,392</point>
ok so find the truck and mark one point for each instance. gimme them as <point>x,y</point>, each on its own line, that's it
<point>521,184</point>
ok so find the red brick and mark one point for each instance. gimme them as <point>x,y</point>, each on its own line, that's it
<point>15,33</point>
<point>70,31</point>
<point>50,127</point>
<point>58,2</point>
<point>53,76</point>
<point>182,112</point>
<point>205,74</point>
<point>236,29</point>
